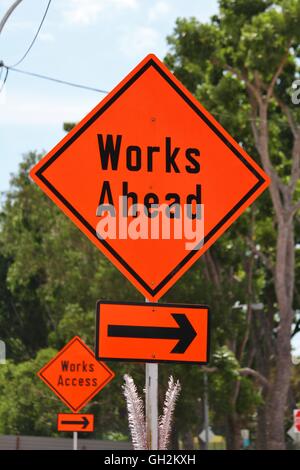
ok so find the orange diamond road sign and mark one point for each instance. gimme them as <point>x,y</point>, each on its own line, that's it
<point>150,142</point>
<point>148,332</point>
<point>75,422</point>
<point>74,375</point>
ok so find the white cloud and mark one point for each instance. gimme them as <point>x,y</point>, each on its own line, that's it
<point>141,40</point>
<point>37,109</point>
<point>3,94</point>
<point>29,27</point>
<point>4,5</point>
<point>87,11</point>
<point>157,10</point>
<point>24,25</point>
<point>46,37</point>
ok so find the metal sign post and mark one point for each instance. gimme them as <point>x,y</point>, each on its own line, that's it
<point>206,411</point>
<point>151,386</point>
<point>151,405</point>
<point>75,440</point>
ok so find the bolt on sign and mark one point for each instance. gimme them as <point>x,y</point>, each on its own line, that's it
<point>151,178</point>
<point>68,422</point>
<point>150,332</point>
<point>74,374</point>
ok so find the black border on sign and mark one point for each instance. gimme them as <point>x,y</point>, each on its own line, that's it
<point>75,414</point>
<point>150,304</point>
<point>57,393</point>
<point>192,253</point>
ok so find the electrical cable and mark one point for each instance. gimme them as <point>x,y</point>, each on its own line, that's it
<point>57,80</point>
<point>35,37</point>
<point>5,77</point>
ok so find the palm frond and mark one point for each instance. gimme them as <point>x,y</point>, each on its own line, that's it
<point>136,415</point>
<point>165,421</point>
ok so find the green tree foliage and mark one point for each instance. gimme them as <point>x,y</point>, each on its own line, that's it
<point>27,406</point>
<point>69,275</point>
<point>241,66</point>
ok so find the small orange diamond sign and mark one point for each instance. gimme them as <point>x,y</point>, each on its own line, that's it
<point>74,375</point>
<point>151,178</point>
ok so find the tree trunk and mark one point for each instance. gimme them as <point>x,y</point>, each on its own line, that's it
<point>278,393</point>
<point>276,405</point>
<point>282,198</point>
<point>264,351</point>
<point>188,441</point>
<point>261,442</point>
<point>233,435</point>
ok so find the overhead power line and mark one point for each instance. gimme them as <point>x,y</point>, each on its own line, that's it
<point>8,68</point>
<point>5,78</point>
<point>35,37</point>
<point>52,79</point>
<point>8,13</point>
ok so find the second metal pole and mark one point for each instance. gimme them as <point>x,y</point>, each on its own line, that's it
<point>75,440</point>
<point>151,387</point>
<point>206,411</point>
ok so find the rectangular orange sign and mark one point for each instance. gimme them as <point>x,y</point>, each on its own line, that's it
<point>151,332</point>
<point>75,422</point>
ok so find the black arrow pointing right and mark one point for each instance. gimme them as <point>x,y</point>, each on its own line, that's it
<point>84,422</point>
<point>185,333</point>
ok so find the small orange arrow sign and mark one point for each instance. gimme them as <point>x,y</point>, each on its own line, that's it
<point>75,422</point>
<point>152,332</point>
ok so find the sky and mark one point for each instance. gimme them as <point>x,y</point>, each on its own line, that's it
<point>92,42</point>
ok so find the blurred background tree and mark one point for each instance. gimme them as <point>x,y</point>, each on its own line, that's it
<point>241,66</point>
